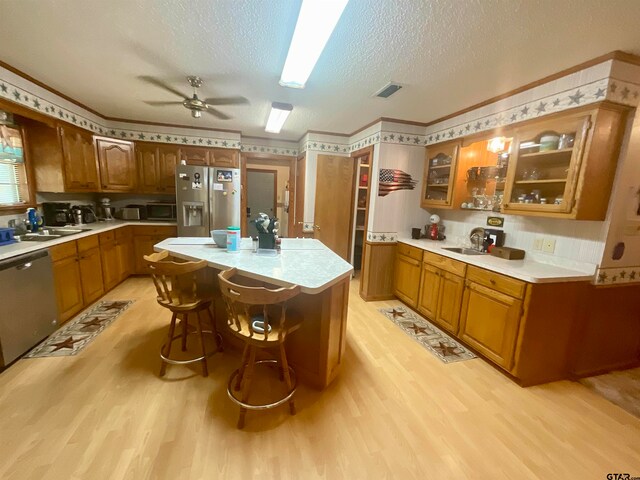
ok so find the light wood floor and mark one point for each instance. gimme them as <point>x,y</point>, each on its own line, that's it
<point>395,412</point>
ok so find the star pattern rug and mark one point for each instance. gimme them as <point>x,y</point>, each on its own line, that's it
<point>71,338</point>
<point>428,335</point>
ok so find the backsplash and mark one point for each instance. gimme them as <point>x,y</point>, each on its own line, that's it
<point>579,241</point>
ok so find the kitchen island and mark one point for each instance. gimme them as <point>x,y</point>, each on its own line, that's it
<point>316,349</point>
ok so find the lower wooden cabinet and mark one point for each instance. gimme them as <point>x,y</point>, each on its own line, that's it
<point>144,238</point>
<point>449,301</point>
<point>91,275</point>
<point>406,283</point>
<point>124,249</point>
<point>110,265</point>
<point>489,323</point>
<point>429,290</point>
<point>68,285</point>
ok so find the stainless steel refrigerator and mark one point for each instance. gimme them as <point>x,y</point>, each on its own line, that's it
<point>207,198</point>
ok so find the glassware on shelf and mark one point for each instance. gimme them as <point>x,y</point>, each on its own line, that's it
<point>566,140</point>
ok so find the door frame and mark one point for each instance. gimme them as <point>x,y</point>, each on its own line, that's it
<point>275,189</point>
<point>267,159</point>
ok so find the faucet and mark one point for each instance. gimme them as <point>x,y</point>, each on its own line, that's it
<point>477,239</point>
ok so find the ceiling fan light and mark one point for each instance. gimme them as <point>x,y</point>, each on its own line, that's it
<point>277,116</point>
<point>316,22</point>
<point>196,113</point>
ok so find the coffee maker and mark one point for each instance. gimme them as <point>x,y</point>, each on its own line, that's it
<point>56,214</point>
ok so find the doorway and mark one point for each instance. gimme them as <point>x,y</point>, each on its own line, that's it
<point>261,195</point>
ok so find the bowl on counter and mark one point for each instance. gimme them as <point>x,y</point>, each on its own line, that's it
<point>219,237</point>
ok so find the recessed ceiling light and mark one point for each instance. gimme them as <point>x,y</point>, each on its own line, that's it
<point>277,117</point>
<point>316,21</point>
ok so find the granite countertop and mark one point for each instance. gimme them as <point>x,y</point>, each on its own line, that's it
<point>530,270</point>
<point>19,248</point>
<point>305,262</point>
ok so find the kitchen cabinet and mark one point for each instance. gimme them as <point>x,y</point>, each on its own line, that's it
<point>406,283</point>
<point>90,269</point>
<point>491,312</point>
<point>67,280</point>
<point>124,251</point>
<point>79,160</point>
<point>225,157</point>
<point>117,165</point>
<point>441,289</point>
<point>196,155</point>
<point>144,238</point>
<point>157,167</point>
<point>564,167</point>
<point>439,175</point>
<point>111,267</point>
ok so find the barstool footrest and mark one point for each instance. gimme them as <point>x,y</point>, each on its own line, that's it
<point>190,360</point>
<point>266,406</point>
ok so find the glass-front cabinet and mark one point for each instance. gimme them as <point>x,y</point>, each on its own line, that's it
<point>439,175</point>
<point>545,165</point>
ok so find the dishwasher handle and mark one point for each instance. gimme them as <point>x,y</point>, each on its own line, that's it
<point>24,266</point>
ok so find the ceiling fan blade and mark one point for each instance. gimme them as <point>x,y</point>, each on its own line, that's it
<point>162,104</point>
<point>226,101</point>
<point>161,84</point>
<point>217,113</point>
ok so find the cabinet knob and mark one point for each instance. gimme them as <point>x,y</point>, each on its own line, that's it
<point>492,281</point>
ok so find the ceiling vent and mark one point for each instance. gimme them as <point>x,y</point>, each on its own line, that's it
<point>388,90</point>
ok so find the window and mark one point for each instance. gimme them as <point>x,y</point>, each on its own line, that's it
<point>13,179</point>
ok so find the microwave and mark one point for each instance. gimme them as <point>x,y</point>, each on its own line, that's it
<point>161,211</point>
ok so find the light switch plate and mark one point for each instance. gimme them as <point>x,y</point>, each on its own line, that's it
<point>537,243</point>
<point>548,245</point>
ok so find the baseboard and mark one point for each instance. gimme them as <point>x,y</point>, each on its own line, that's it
<point>376,298</point>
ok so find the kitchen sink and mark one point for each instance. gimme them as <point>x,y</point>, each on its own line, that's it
<point>51,234</point>
<point>464,251</point>
<point>35,237</point>
<point>67,231</point>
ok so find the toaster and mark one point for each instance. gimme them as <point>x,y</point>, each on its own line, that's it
<point>134,212</point>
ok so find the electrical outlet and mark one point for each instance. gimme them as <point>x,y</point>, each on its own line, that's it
<point>549,245</point>
<point>537,243</point>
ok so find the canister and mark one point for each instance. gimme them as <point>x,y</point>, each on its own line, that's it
<point>233,239</point>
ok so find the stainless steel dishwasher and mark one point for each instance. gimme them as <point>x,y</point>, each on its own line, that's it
<point>28,311</point>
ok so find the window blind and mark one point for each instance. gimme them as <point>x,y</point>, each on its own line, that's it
<point>10,191</point>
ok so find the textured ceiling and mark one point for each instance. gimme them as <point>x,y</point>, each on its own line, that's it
<point>449,54</point>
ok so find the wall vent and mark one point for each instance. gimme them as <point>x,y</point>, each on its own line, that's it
<point>388,90</point>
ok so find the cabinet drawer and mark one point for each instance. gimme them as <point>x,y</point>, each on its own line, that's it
<point>409,251</point>
<point>107,237</point>
<point>445,263</point>
<point>124,233</point>
<point>502,283</point>
<point>164,231</point>
<point>87,243</point>
<point>64,250</point>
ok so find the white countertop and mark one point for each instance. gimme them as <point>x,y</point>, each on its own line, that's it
<point>529,270</point>
<point>19,248</point>
<point>302,261</point>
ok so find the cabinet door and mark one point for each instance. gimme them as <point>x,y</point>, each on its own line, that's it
<point>449,301</point>
<point>80,166</point>
<point>117,165</point>
<point>68,285</point>
<point>143,245</point>
<point>195,155</point>
<point>224,157</point>
<point>439,175</point>
<point>429,288</point>
<point>545,167</point>
<point>490,322</point>
<point>148,168</point>
<point>407,279</point>
<point>124,249</point>
<point>169,157</point>
<point>91,275</point>
<point>110,265</point>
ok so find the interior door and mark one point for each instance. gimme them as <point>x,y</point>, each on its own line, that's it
<point>261,195</point>
<point>334,202</point>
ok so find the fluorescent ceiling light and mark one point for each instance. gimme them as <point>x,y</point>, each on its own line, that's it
<point>316,21</point>
<point>277,117</point>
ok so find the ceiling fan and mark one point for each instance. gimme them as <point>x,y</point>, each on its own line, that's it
<point>195,104</point>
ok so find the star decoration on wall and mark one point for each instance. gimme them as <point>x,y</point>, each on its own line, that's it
<point>524,111</point>
<point>556,102</point>
<point>36,103</point>
<point>3,87</point>
<point>624,93</point>
<point>600,93</point>
<point>542,107</point>
<point>613,87</point>
<point>602,277</point>
<point>17,95</point>
<point>576,97</point>
<point>514,117</point>
<point>632,275</point>
<point>478,126</point>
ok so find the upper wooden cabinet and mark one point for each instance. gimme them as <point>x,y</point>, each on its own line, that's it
<point>196,155</point>
<point>157,167</point>
<point>117,165</point>
<point>439,175</point>
<point>80,165</point>
<point>564,167</point>
<point>224,157</point>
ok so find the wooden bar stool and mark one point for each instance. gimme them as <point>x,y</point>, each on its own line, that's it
<point>177,287</point>
<point>258,316</point>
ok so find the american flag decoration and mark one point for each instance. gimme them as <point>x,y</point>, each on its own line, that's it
<point>393,180</point>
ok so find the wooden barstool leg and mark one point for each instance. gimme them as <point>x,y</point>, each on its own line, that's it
<point>205,370</point>
<point>287,376</point>
<point>167,346</point>
<point>246,387</point>
<point>245,356</point>
<point>214,330</point>
<point>185,331</point>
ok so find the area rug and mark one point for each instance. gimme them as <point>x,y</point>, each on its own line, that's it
<point>428,335</point>
<point>621,388</point>
<point>79,332</point>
